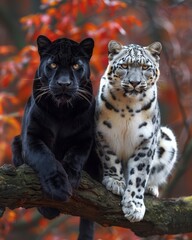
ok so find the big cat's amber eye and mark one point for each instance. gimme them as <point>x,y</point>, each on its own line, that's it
<point>124,65</point>
<point>76,66</point>
<point>53,65</point>
<point>145,67</point>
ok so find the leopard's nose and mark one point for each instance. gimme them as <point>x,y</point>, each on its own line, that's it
<point>134,83</point>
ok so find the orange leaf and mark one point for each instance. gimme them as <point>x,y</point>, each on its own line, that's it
<point>7,49</point>
<point>51,3</point>
<point>11,216</point>
<point>5,151</point>
<point>83,6</point>
<point>6,80</point>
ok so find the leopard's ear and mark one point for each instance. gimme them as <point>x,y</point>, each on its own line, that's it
<point>43,43</point>
<point>155,49</point>
<point>113,48</point>
<point>87,46</point>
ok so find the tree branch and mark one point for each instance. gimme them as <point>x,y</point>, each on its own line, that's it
<point>21,188</point>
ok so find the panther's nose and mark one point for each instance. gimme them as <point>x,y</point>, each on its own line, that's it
<point>63,84</point>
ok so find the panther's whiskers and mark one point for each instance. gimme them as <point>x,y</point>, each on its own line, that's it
<point>82,90</point>
<point>82,95</point>
<point>35,79</point>
<point>32,79</point>
<point>41,94</point>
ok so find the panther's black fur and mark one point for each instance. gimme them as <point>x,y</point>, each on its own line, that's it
<point>57,128</point>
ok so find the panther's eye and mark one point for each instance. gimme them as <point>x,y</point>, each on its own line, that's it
<point>124,65</point>
<point>76,66</point>
<point>145,67</point>
<point>53,65</point>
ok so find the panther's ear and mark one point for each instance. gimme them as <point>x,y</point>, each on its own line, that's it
<point>113,48</point>
<point>43,43</point>
<point>87,46</point>
<point>155,49</point>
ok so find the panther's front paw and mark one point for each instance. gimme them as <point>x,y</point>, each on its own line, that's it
<point>57,186</point>
<point>115,186</point>
<point>134,209</point>
<point>74,177</point>
<point>48,212</point>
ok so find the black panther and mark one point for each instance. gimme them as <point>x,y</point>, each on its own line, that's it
<point>58,124</point>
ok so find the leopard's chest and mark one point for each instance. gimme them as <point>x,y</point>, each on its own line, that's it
<point>122,127</point>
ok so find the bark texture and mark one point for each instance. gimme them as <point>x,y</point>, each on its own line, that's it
<point>21,188</point>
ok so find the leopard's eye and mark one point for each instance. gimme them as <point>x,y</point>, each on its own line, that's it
<point>145,67</point>
<point>76,66</point>
<point>124,65</point>
<point>53,65</point>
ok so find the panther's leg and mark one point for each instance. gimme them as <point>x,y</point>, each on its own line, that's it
<point>47,212</point>
<point>52,175</point>
<point>164,160</point>
<point>75,159</point>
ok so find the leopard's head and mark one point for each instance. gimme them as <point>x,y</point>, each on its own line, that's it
<point>63,74</point>
<point>133,68</point>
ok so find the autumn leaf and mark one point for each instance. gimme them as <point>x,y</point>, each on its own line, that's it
<point>7,49</point>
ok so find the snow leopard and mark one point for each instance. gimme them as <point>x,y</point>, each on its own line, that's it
<point>136,152</point>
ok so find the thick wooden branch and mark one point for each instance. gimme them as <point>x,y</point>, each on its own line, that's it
<point>21,188</point>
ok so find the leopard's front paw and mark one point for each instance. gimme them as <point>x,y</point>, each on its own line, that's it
<point>115,186</point>
<point>152,190</point>
<point>134,209</point>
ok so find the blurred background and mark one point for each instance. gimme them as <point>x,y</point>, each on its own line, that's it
<point>128,21</point>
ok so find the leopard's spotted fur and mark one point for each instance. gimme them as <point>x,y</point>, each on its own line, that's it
<point>137,153</point>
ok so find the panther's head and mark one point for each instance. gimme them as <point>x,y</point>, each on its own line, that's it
<point>63,73</point>
<point>133,68</point>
